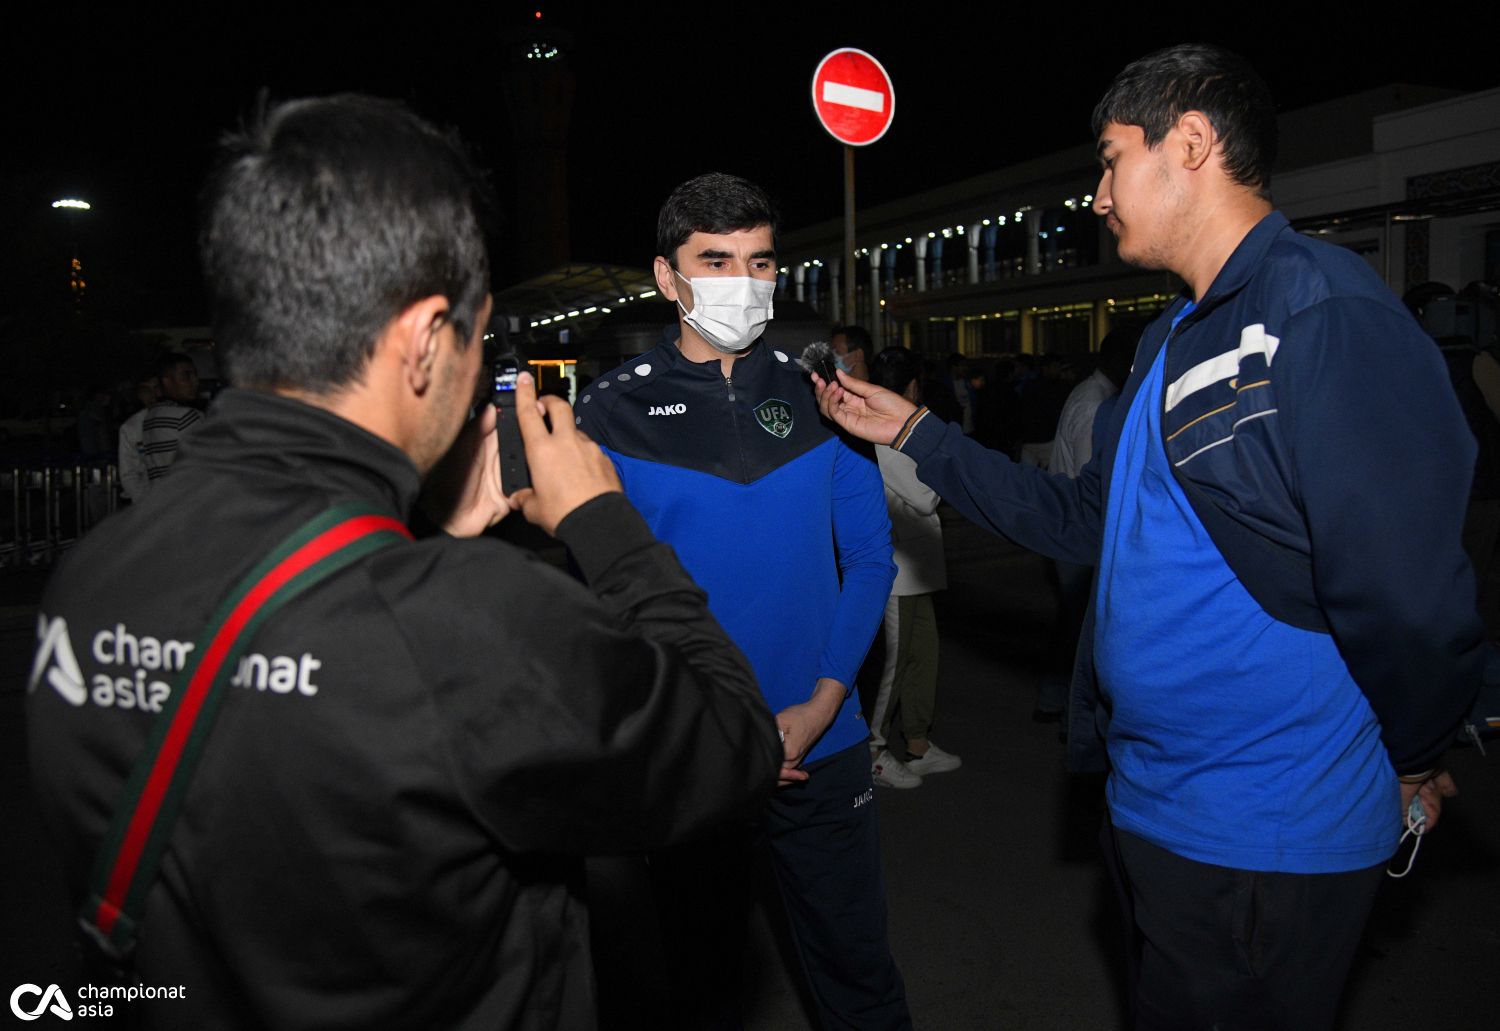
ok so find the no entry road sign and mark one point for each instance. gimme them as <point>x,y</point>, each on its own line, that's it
<point>853,97</point>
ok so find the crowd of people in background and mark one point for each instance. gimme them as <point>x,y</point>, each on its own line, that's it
<point>88,453</point>
<point>1008,402</point>
<point>89,432</point>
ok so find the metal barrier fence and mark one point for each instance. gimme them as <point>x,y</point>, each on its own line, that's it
<point>45,510</point>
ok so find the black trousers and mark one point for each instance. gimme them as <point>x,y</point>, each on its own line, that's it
<point>822,840</point>
<point>1234,950</point>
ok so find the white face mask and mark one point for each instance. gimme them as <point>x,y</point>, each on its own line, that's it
<point>729,311</point>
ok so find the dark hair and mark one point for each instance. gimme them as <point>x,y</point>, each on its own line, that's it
<point>1160,88</point>
<point>169,361</point>
<point>856,337</point>
<point>713,203</point>
<point>323,221</point>
<point>895,368</point>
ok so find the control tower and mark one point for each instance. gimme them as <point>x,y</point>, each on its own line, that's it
<point>539,88</point>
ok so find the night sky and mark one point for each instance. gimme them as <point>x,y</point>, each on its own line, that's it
<point>123,108</point>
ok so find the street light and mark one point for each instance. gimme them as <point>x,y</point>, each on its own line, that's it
<point>76,282</point>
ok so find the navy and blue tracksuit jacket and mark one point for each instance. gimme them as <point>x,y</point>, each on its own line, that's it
<point>777,516</point>
<point>1310,423</point>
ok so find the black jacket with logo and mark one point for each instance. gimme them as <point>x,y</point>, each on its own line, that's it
<point>386,826</point>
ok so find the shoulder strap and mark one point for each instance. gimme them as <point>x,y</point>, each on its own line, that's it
<point>132,848</point>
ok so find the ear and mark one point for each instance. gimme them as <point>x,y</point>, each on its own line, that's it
<point>667,281</point>
<point>413,340</point>
<point>1198,139</point>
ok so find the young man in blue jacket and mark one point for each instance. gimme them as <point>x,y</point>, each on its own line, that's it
<point>1281,637</point>
<point>718,442</point>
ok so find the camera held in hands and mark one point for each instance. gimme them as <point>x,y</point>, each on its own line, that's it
<point>514,473</point>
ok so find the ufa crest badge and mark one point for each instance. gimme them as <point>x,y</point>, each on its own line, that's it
<point>775,417</point>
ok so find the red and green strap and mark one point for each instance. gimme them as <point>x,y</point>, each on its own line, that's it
<point>131,851</point>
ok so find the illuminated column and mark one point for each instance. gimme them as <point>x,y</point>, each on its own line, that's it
<point>874,325</point>
<point>799,276</point>
<point>971,234</point>
<point>921,245</point>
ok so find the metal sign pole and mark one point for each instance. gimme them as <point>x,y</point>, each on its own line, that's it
<point>853,97</point>
<point>849,314</point>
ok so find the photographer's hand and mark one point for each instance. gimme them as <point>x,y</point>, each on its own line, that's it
<point>463,493</point>
<point>567,468</point>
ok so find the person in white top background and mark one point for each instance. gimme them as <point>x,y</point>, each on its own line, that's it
<point>908,684</point>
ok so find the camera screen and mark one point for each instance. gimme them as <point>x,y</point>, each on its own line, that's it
<point>507,369</point>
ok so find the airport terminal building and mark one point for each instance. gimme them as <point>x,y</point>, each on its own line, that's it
<point>1014,261</point>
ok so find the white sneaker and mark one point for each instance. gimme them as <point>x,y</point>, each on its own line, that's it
<point>890,772</point>
<point>935,760</point>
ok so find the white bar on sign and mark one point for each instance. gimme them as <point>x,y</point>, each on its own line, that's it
<point>853,96</point>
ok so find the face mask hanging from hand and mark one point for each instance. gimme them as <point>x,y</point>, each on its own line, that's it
<point>729,311</point>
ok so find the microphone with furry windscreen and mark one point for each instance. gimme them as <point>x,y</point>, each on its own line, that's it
<point>818,357</point>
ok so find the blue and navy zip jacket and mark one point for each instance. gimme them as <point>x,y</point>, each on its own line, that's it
<point>776,515</point>
<point>1310,423</point>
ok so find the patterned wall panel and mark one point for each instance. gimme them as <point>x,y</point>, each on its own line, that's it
<point>1440,184</point>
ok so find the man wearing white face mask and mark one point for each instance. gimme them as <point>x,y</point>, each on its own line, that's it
<point>718,442</point>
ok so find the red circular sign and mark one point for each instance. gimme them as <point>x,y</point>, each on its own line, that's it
<point>853,97</point>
